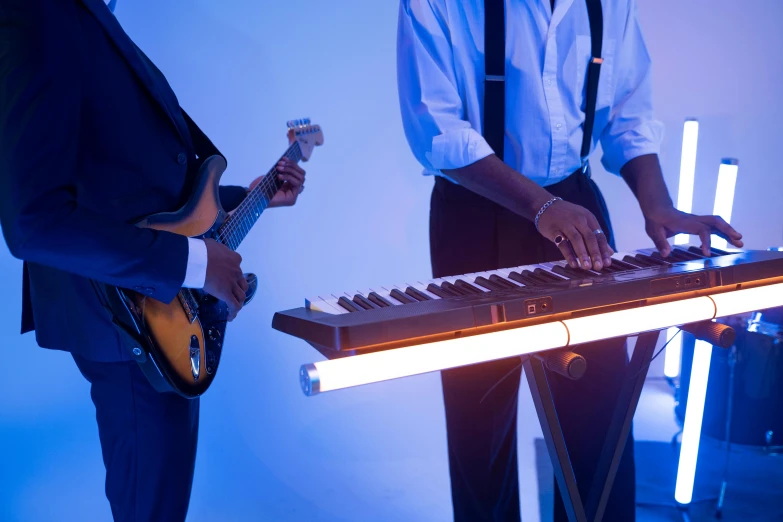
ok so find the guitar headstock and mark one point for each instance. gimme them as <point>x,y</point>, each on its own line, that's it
<point>309,136</point>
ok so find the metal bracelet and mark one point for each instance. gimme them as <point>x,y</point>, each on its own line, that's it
<point>544,207</point>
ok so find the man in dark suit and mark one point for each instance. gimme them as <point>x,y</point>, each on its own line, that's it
<point>92,138</point>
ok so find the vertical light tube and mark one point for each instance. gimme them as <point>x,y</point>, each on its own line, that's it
<point>724,195</point>
<point>671,364</point>
<point>691,432</point>
<point>690,138</point>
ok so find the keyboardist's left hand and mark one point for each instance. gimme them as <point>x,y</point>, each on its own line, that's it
<point>293,177</point>
<point>665,222</point>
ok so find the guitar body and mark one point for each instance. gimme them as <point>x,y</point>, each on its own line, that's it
<point>178,344</point>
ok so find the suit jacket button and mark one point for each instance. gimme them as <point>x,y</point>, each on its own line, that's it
<point>182,158</point>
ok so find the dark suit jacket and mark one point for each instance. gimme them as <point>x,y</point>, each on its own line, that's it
<point>92,138</point>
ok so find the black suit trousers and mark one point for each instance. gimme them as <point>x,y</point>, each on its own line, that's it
<point>148,441</point>
<point>469,233</point>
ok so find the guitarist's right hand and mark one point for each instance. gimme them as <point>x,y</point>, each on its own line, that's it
<point>225,279</point>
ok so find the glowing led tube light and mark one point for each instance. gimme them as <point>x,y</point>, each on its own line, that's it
<point>691,431</point>
<point>671,363</point>
<point>748,300</point>
<point>413,360</point>
<point>690,138</point>
<point>724,195</point>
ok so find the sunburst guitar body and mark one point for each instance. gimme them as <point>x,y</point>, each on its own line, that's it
<point>178,345</point>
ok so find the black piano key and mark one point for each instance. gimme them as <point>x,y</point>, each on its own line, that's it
<point>489,285</point>
<point>440,292</point>
<point>451,288</point>
<point>502,281</point>
<point>378,300</point>
<point>713,251</point>
<point>542,280</point>
<point>623,266</point>
<point>545,274</point>
<point>638,263</point>
<point>464,285</point>
<point>348,304</point>
<point>655,262</point>
<point>416,294</point>
<point>571,273</point>
<point>401,297</point>
<point>690,256</point>
<point>362,301</point>
<point>525,280</point>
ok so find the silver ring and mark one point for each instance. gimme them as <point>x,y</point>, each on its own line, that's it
<point>597,232</point>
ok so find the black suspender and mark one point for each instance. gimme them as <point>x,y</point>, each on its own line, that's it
<point>495,75</point>
<point>596,15</point>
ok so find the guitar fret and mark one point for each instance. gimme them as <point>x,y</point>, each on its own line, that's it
<point>236,228</point>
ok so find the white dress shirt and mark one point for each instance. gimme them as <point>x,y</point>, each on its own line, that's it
<point>196,270</point>
<point>440,75</point>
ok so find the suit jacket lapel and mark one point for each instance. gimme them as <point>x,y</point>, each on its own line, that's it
<point>129,51</point>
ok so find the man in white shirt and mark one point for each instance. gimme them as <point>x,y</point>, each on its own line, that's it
<point>533,204</point>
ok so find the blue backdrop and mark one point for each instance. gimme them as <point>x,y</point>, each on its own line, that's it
<point>242,69</point>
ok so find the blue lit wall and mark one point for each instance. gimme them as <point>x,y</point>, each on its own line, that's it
<point>242,68</point>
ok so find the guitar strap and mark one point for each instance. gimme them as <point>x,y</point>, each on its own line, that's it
<point>495,75</point>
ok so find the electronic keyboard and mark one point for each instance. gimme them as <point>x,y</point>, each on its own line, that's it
<point>393,316</point>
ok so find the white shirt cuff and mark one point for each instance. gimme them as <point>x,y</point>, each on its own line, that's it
<point>458,148</point>
<point>196,271</point>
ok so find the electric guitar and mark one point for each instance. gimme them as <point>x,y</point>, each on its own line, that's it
<point>178,344</point>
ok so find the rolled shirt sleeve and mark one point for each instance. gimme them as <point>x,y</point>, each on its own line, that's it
<point>431,107</point>
<point>632,130</point>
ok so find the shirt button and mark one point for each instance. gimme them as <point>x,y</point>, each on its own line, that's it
<point>549,82</point>
<point>181,158</point>
<point>559,125</point>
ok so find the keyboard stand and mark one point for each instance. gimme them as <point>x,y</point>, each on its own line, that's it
<point>620,426</point>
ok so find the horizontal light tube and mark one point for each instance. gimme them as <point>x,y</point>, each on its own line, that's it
<point>441,355</point>
<point>748,300</point>
<point>637,320</point>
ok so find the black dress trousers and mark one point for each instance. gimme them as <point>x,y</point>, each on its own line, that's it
<point>469,233</point>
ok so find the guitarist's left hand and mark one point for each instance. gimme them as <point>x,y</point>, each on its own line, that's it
<point>293,177</point>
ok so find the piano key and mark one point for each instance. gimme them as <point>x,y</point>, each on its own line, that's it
<point>347,304</point>
<point>638,263</point>
<point>417,294</point>
<point>498,280</point>
<point>691,256</point>
<point>379,300</point>
<point>523,279</point>
<point>650,259</point>
<point>440,292</point>
<point>362,301</point>
<point>328,306</point>
<point>464,285</point>
<point>714,251</point>
<point>489,285</point>
<point>547,274</point>
<point>401,296</point>
<point>623,265</point>
<point>452,288</point>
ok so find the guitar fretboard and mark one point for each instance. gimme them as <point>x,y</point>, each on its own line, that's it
<point>242,219</point>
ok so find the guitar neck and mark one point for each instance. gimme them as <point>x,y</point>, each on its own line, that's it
<point>242,219</point>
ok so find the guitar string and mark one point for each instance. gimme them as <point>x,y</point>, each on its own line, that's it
<point>227,232</point>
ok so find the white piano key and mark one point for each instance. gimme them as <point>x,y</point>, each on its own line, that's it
<point>328,306</point>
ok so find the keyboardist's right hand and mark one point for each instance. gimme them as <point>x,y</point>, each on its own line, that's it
<point>584,245</point>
